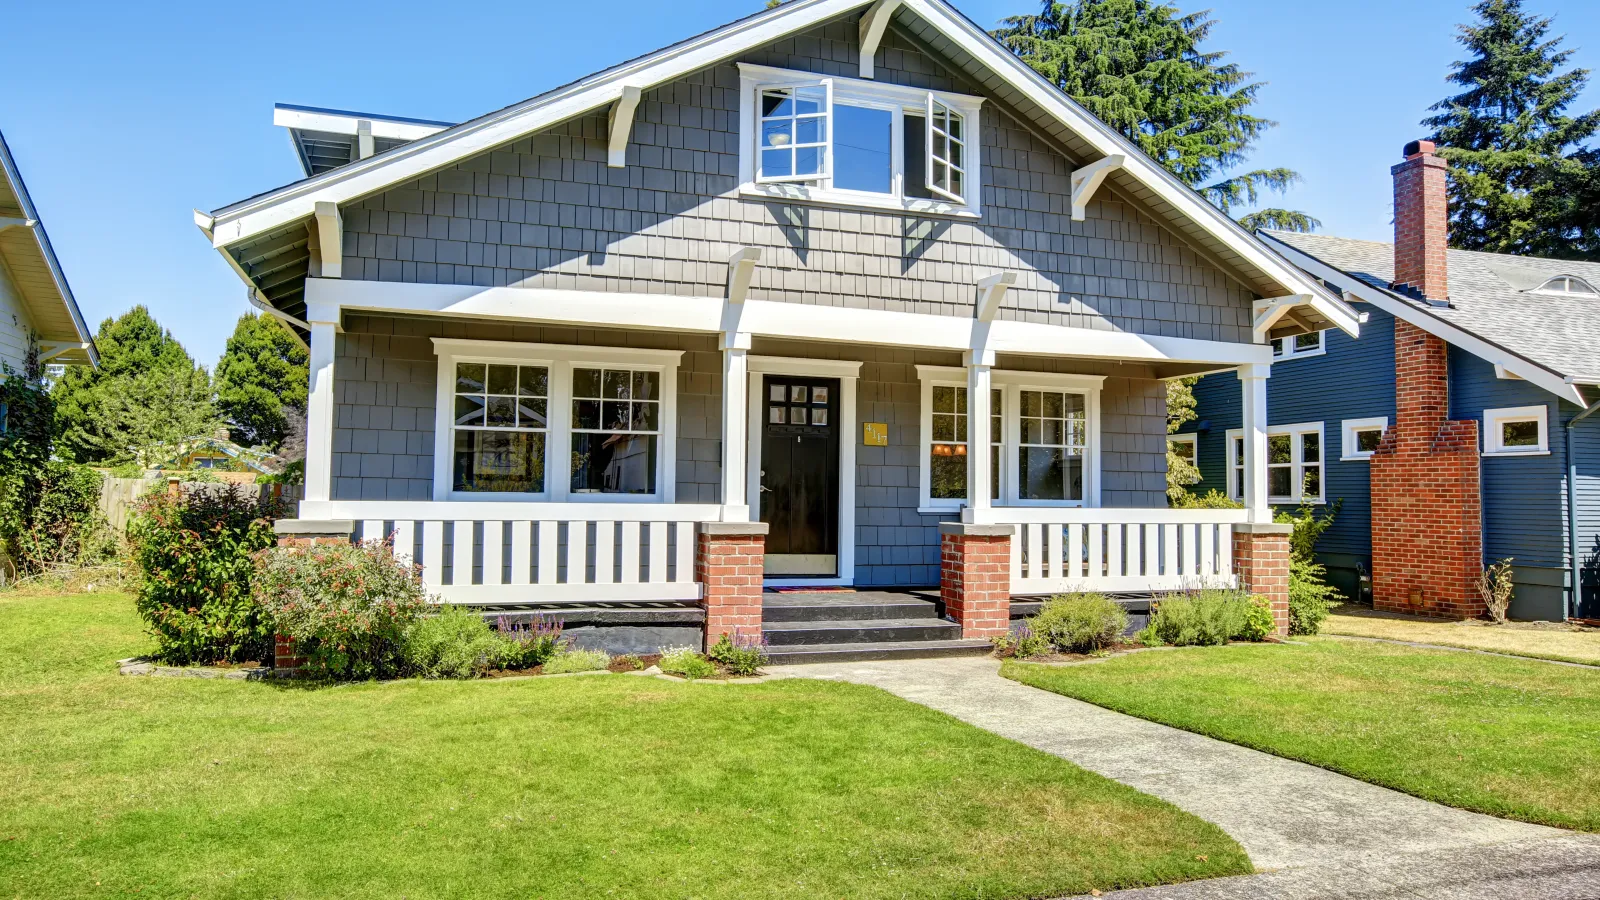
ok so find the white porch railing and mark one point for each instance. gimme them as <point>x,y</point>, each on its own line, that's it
<point>1079,549</point>
<point>483,553</point>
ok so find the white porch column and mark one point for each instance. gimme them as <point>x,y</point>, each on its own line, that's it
<point>735,438</point>
<point>1253,380</point>
<point>320,404</point>
<point>979,381</point>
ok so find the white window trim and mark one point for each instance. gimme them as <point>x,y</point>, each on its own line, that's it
<point>1011,384</point>
<point>1191,439</point>
<point>561,359</point>
<point>1289,351</point>
<point>1494,418</point>
<point>855,91</point>
<point>1236,490</point>
<point>1348,450</point>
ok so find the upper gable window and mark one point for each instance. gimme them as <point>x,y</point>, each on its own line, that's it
<point>1567,286</point>
<point>852,142</point>
<point>1300,345</point>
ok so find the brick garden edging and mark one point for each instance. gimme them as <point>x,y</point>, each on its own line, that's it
<point>728,562</point>
<point>975,577</point>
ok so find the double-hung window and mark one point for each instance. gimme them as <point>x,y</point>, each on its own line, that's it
<point>855,142</point>
<point>1294,463</point>
<point>553,422</point>
<point>1043,431</point>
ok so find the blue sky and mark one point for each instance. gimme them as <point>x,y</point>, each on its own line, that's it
<point>125,117</point>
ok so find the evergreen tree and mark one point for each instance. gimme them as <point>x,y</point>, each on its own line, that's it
<point>261,381</point>
<point>1138,66</point>
<point>1518,171</point>
<point>146,390</point>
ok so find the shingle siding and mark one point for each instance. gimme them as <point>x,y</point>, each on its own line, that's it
<point>547,212</point>
<point>14,326</point>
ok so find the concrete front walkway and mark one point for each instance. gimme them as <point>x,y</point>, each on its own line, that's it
<point>1316,833</point>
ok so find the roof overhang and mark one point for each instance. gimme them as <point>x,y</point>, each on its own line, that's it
<point>26,254</point>
<point>1408,311</point>
<point>1223,241</point>
<point>325,139</point>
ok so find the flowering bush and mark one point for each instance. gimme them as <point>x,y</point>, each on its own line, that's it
<point>529,646</point>
<point>743,655</point>
<point>347,607</point>
<point>194,551</point>
<point>685,661</point>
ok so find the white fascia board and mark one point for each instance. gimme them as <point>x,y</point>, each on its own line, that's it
<point>419,157</point>
<point>349,123</point>
<point>326,298</point>
<point>1108,142</point>
<point>1501,358</point>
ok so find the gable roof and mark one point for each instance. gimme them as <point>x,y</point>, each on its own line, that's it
<point>325,139</point>
<point>1546,338</point>
<point>26,253</point>
<point>274,215</point>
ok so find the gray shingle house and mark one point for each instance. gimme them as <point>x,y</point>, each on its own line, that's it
<point>845,279</point>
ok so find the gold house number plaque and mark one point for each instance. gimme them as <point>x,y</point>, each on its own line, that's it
<point>875,434</point>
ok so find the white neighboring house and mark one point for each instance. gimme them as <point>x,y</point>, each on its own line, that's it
<point>35,299</point>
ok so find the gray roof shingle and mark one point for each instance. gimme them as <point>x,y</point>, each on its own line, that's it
<point>1490,297</point>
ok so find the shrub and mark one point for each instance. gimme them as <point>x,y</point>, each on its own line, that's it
<point>686,661</point>
<point>570,659</point>
<point>741,656</point>
<point>1258,622</point>
<point>346,606</point>
<point>1495,587</point>
<point>194,552</point>
<point>50,518</point>
<point>1204,617</point>
<point>1021,641</point>
<point>1080,623</point>
<point>530,646</point>
<point>1310,596</point>
<point>455,643</point>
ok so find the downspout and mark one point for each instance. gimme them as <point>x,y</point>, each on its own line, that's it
<point>1572,511</point>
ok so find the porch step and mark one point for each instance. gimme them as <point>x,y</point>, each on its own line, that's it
<point>860,607</point>
<point>796,654</point>
<point>780,634</point>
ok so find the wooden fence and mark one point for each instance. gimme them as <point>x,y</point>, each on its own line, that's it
<point>120,496</point>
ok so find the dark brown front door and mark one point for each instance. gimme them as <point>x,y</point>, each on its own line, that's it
<point>800,475</point>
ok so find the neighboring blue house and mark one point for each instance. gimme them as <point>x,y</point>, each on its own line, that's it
<point>1516,337</point>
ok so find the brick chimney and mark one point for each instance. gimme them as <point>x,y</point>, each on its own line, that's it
<point>1421,217</point>
<point>1427,521</point>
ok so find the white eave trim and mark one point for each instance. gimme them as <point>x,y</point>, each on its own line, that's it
<point>1502,359</point>
<point>336,122</point>
<point>364,177</point>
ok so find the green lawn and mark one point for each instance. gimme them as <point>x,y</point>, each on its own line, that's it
<point>1509,737</point>
<point>561,787</point>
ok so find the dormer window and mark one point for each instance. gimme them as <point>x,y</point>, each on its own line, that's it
<point>1567,286</point>
<point>852,142</point>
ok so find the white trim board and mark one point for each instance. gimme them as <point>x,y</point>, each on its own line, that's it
<point>327,297</point>
<point>848,374</point>
<point>1501,358</point>
<point>275,209</point>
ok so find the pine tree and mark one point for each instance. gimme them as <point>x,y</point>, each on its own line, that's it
<point>261,381</point>
<point>146,390</point>
<point>1518,171</point>
<point>1138,66</point>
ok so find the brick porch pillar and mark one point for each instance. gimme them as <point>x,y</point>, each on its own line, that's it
<point>303,533</point>
<point>1261,560</point>
<point>975,577</point>
<point>728,562</point>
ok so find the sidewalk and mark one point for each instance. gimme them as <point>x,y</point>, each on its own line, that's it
<point>1330,835</point>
